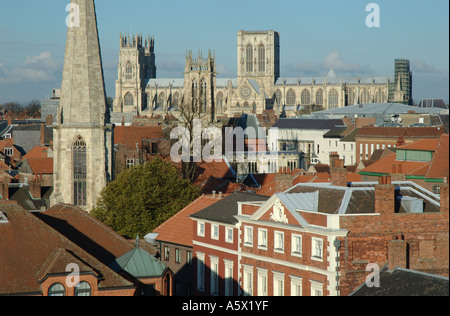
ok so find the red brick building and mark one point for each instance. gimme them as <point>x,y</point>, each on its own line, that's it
<point>371,138</point>
<point>216,246</point>
<point>319,239</point>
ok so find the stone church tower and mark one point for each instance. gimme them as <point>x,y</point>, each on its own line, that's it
<point>83,136</point>
<point>136,67</point>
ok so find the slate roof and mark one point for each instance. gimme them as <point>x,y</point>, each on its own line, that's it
<point>359,198</point>
<point>403,282</point>
<point>308,123</point>
<point>225,210</point>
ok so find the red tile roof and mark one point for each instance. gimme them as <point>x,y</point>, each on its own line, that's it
<point>440,164</point>
<point>132,135</point>
<point>41,165</point>
<point>406,132</point>
<point>178,229</point>
<point>37,152</point>
<point>27,244</point>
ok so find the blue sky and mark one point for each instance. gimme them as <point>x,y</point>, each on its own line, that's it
<point>314,36</point>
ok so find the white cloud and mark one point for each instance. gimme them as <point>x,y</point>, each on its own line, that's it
<point>421,66</point>
<point>39,68</point>
<point>332,60</point>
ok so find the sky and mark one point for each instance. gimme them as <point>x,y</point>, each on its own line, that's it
<point>315,35</point>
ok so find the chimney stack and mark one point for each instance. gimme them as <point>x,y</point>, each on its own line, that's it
<point>35,189</point>
<point>339,173</point>
<point>385,196</point>
<point>397,253</point>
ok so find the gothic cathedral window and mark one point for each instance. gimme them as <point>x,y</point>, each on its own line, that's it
<point>79,172</point>
<point>129,72</point>
<point>249,59</point>
<point>261,58</point>
<point>128,100</point>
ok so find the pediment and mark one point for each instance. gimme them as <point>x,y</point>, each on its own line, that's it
<point>276,211</point>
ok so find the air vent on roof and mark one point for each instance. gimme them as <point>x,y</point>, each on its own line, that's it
<point>3,218</point>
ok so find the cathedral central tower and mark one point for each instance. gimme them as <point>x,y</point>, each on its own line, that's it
<point>83,134</point>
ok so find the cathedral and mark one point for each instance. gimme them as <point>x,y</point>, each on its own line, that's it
<point>258,86</point>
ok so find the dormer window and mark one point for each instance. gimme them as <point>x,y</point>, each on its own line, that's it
<point>9,152</point>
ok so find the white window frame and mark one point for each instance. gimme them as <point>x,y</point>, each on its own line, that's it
<point>314,244</point>
<point>214,277</point>
<point>213,231</point>
<point>278,284</point>
<point>9,152</point>
<point>262,241</point>
<point>296,286</point>
<point>294,248</point>
<point>247,281</point>
<point>316,288</point>
<point>201,229</point>
<point>248,236</point>
<point>229,279</point>
<point>227,234</point>
<point>262,282</point>
<point>276,242</point>
<point>200,271</point>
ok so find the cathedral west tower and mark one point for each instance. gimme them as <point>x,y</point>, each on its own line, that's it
<point>83,136</point>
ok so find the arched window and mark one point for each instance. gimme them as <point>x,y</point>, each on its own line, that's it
<point>79,172</point>
<point>333,99</point>
<point>249,58</point>
<point>319,97</point>
<point>290,97</point>
<point>365,96</point>
<point>219,101</point>
<point>83,289</point>
<point>379,96</point>
<point>57,289</point>
<point>305,97</point>
<point>261,58</point>
<point>437,189</point>
<point>129,71</point>
<point>203,95</point>
<point>161,100</point>
<point>175,100</point>
<point>278,97</point>
<point>246,104</point>
<point>351,96</point>
<point>194,89</point>
<point>128,100</point>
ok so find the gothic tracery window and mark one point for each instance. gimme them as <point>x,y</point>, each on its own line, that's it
<point>129,72</point>
<point>79,172</point>
<point>319,97</point>
<point>128,100</point>
<point>261,58</point>
<point>333,99</point>
<point>290,97</point>
<point>249,58</point>
<point>305,97</point>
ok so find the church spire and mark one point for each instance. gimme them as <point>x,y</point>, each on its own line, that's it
<point>83,98</point>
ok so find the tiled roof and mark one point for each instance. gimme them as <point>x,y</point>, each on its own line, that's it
<point>406,132</point>
<point>37,152</point>
<point>132,135</point>
<point>41,165</point>
<point>87,232</point>
<point>440,164</point>
<point>408,167</point>
<point>178,229</point>
<point>26,246</point>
